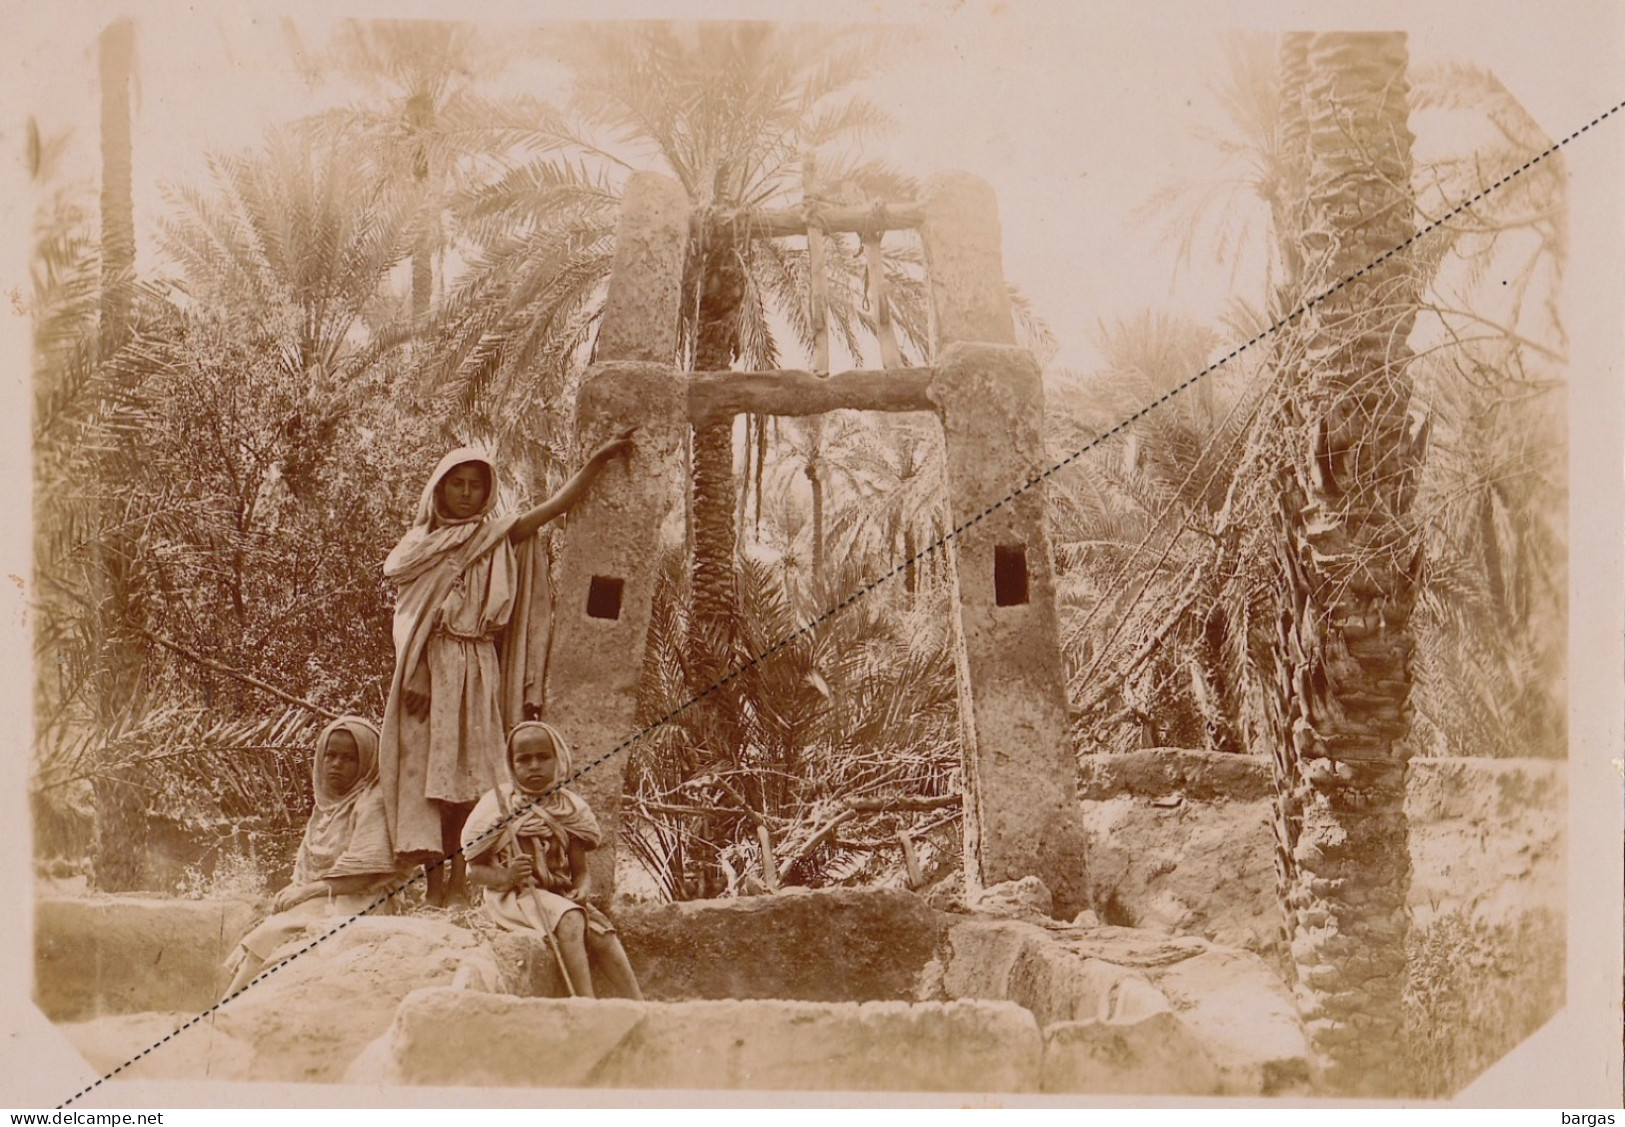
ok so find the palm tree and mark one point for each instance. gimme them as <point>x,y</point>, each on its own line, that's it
<point>422,139</point>
<point>270,373</point>
<point>1493,496</point>
<point>117,57</point>
<point>874,491</point>
<point>267,476</point>
<point>1348,562</point>
<point>1488,378</point>
<point>733,112</point>
<point>117,73</point>
<point>1148,630</point>
<point>294,244</point>
<point>1483,510</point>
<point>739,114</point>
<point>75,401</point>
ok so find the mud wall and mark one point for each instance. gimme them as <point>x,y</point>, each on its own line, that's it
<point>1181,840</point>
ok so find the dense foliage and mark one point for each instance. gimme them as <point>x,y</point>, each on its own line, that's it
<point>342,300</point>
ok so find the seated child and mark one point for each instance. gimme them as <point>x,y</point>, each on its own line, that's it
<point>345,862</point>
<point>527,843</point>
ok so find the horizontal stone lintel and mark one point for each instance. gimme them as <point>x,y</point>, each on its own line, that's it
<point>717,396</point>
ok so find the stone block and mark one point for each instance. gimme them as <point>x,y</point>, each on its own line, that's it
<point>1201,776</point>
<point>200,1049</point>
<point>1153,1054</point>
<point>1488,837</point>
<point>447,1037</point>
<point>607,573</point>
<point>1243,1014</point>
<point>315,1013</point>
<point>1204,868</point>
<point>96,956</point>
<point>642,310</point>
<point>965,262</point>
<point>1021,963</point>
<point>1027,897</point>
<point>834,944</point>
<point>525,966</point>
<point>1230,1003</point>
<point>1022,817</point>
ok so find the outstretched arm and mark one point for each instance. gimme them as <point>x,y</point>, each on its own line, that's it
<point>557,505</point>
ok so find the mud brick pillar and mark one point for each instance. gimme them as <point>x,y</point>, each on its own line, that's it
<point>1022,817</point>
<point>612,537</point>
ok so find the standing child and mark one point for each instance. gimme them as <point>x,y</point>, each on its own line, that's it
<point>527,843</point>
<point>458,577</point>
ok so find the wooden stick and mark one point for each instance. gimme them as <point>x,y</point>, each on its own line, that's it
<point>941,820</point>
<point>911,860</point>
<point>769,873</point>
<point>764,837</point>
<point>816,840</point>
<point>549,940</point>
<point>733,793</point>
<point>934,802</point>
<point>672,808</point>
<point>880,302</point>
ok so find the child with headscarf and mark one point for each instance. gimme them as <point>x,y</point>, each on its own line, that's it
<point>460,582</point>
<point>527,843</point>
<point>345,864</point>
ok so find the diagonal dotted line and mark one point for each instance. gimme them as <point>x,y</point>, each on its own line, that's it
<point>837,608</point>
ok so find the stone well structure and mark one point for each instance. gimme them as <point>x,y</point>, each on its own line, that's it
<point>987,392</point>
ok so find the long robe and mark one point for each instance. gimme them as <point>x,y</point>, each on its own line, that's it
<point>510,823</point>
<point>460,582</point>
<point>345,837</point>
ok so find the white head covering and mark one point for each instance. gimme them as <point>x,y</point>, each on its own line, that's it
<point>330,833</point>
<point>433,531</point>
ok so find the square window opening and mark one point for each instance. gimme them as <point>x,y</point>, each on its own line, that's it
<point>1010,575</point>
<point>604,597</point>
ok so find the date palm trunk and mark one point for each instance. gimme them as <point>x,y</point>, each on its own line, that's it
<point>121,647</point>
<point>714,596</point>
<point>716,344</point>
<point>1348,553</point>
<point>116,62</point>
<point>121,822</point>
<point>420,122</point>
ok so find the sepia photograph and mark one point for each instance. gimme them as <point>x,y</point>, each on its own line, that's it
<point>912,552</point>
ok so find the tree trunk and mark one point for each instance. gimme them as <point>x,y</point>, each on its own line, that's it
<point>911,577</point>
<point>716,338</point>
<point>714,597</point>
<point>117,55</point>
<point>1347,556</point>
<point>815,477</point>
<point>422,280</point>
<point>121,814</point>
<point>420,123</point>
<point>122,650</point>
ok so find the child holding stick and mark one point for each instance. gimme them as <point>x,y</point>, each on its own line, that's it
<point>527,843</point>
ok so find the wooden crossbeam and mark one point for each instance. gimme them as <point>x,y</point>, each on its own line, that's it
<point>715,396</point>
<point>770,223</point>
